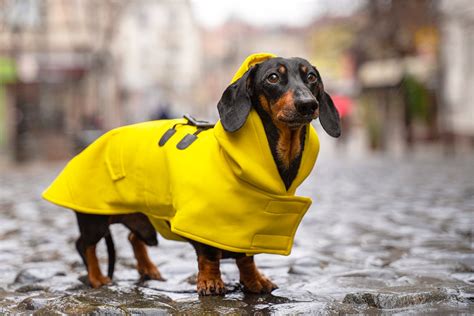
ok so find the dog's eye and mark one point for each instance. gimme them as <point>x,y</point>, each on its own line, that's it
<point>273,78</point>
<point>311,78</point>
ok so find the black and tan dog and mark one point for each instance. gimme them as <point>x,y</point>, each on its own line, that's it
<point>287,94</point>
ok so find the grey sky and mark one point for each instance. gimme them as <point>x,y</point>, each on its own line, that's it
<point>211,13</point>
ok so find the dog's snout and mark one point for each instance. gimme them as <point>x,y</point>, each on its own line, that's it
<point>306,106</point>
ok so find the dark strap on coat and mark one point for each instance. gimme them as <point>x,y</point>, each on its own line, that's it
<point>189,138</point>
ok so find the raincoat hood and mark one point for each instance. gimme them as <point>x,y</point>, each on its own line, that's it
<point>223,190</point>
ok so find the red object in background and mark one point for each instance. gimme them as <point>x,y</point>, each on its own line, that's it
<point>344,105</point>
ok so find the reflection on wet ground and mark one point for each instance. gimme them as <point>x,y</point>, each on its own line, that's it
<point>383,235</point>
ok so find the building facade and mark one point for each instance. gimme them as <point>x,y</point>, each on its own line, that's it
<point>158,52</point>
<point>457,60</point>
<point>69,67</point>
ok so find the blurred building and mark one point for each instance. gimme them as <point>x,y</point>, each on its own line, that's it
<point>158,54</point>
<point>68,67</point>
<point>396,57</point>
<point>331,40</point>
<point>457,60</point>
<point>62,76</point>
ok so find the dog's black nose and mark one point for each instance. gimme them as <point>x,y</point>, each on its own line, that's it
<point>306,107</point>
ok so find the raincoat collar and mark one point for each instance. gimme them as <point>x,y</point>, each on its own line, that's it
<point>248,154</point>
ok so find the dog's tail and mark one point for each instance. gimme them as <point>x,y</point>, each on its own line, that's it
<point>111,252</point>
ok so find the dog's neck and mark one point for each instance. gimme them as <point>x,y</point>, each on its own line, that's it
<point>286,146</point>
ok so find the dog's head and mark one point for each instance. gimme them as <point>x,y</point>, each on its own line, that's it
<point>289,90</point>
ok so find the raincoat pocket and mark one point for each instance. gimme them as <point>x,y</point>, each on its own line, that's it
<point>285,207</point>
<point>283,217</point>
<point>273,242</point>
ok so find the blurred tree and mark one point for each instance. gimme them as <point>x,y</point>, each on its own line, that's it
<point>330,43</point>
<point>391,28</point>
<point>416,105</point>
<point>395,30</point>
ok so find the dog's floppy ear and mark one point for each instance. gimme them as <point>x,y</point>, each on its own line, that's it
<point>328,115</point>
<point>235,103</point>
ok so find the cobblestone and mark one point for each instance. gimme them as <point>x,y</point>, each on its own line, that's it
<point>384,235</point>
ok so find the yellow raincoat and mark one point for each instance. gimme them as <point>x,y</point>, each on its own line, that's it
<point>223,190</point>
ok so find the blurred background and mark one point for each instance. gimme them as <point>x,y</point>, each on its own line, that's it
<point>400,72</point>
<point>392,224</point>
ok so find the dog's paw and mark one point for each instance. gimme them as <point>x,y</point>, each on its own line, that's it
<point>151,273</point>
<point>259,285</point>
<point>210,286</point>
<point>98,281</point>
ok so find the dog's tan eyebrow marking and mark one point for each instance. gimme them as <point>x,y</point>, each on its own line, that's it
<point>304,68</point>
<point>282,69</point>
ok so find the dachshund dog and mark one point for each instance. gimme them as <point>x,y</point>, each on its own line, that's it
<point>287,94</point>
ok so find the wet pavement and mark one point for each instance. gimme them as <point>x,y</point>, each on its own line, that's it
<point>384,235</point>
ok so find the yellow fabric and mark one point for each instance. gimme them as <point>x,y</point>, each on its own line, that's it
<point>224,190</point>
<point>249,62</point>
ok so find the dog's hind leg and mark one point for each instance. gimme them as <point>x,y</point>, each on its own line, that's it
<point>109,242</point>
<point>142,234</point>
<point>251,278</point>
<point>81,249</point>
<point>95,276</point>
<point>146,268</point>
<point>140,225</point>
<point>92,229</point>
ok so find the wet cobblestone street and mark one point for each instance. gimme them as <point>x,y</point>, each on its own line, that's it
<point>384,235</point>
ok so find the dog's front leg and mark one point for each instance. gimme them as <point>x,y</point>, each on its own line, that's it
<point>251,278</point>
<point>209,280</point>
